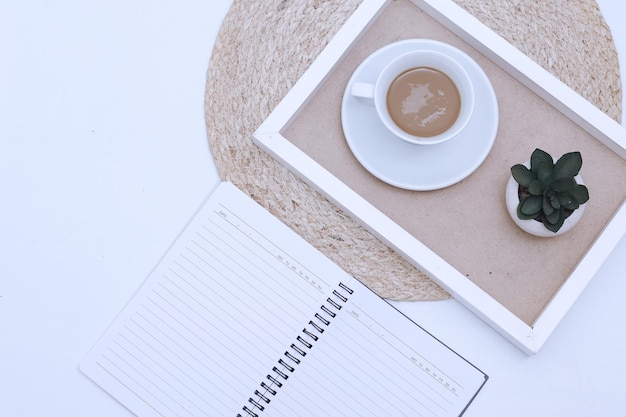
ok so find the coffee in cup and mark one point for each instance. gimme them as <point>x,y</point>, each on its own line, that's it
<point>423,101</point>
<point>424,97</point>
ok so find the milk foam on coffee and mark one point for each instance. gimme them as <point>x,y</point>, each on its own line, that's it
<point>423,101</point>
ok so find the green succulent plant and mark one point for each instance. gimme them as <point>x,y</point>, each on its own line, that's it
<point>548,191</point>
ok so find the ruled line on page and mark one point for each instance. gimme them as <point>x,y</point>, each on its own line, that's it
<point>248,301</point>
<point>339,380</point>
<point>241,314</point>
<point>378,367</point>
<point>394,383</point>
<point>127,378</point>
<point>209,318</point>
<point>207,350</point>
<point>245,256</point>
<point>273,250</point>
<point>334,396</point>
<point>272,282</point>
<point>130,389</point>
<point>177,350</point>
<point>187,363</point>
<point>157,364</point>
<point>195,375</point>
<point>410,353</point>
<point>161,326</point>
<point>333,381</point>
<point>410,359</point>
<point>164,387</point>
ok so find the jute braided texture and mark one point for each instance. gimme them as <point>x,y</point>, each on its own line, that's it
<point>264,47</point>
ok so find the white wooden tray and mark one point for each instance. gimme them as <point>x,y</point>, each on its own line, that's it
<point>270,136</point>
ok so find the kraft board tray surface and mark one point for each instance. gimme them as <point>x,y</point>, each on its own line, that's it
<point>461,234</point>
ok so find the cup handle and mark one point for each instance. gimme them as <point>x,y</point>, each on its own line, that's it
<point>363,90</point>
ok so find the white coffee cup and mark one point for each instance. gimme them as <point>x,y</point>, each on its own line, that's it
<point>376,94</point>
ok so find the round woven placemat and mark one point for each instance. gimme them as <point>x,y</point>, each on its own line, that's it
<point>264,47</point>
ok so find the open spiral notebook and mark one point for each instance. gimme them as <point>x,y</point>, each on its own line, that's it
<point>242,317</point>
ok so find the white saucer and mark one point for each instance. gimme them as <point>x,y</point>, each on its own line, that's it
<point>419,167</point>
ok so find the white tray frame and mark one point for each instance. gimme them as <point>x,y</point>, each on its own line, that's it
<point>529,338</point>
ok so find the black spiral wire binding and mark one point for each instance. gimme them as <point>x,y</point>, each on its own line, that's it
<point>287,364</point>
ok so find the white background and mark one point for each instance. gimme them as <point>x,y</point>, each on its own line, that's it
<point>103,159</point>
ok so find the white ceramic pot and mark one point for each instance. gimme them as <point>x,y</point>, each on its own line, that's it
<point>532,226</point>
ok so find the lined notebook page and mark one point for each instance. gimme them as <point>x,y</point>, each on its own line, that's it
<point>372,361</point>
<point>243,317</point>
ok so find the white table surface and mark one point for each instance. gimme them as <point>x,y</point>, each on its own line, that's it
<point>103,159</point>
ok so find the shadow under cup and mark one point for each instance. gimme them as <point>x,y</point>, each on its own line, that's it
<point>421,94</point>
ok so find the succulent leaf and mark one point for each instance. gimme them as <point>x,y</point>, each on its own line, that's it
<point>532,205</point>
<point>554,227</point>
<point>566,198</point>
<point>547,206</point>
<point>523,216</point>
<point>562,185</point>
<point>572,204</point>
<point>545,172</point>
<point>539,157</point>
<point>536,187</point>
<point>580,193</point>
<point>553,217</point>
<point>522,175</point>
<point>554,200</point>
<point>568,165</point>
